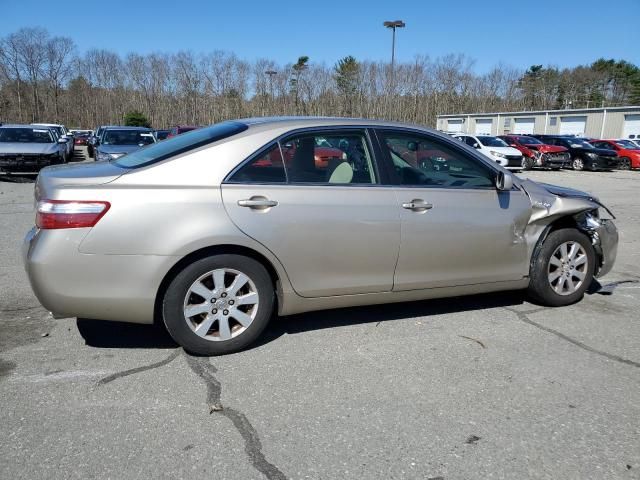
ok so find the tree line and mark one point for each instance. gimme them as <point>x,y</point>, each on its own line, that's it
<point>43,78</point>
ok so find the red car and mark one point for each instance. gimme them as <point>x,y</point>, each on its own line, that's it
<point>321,156</point>
<point>179,129</point>
<point>81,139</point>
<point>628,152</point>
<point>537,153</point>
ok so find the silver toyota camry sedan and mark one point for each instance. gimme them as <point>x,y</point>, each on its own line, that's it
<point>213,231</point>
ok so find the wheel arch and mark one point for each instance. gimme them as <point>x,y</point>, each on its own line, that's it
<point>569,221</point>
<point>208,252</point>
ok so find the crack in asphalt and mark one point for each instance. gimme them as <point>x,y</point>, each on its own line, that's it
<point>20,309</point>
<point>524,317</point>
<point>253,447</point>
<point>131,371</point>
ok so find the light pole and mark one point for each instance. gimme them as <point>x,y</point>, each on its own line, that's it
<point>270,74</point>
<point>393,25</point>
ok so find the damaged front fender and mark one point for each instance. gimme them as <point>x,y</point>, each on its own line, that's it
<point>552,205</point>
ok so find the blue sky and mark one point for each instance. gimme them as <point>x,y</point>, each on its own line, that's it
<point>515,33</point>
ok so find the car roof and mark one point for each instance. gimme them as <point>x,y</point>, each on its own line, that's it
<point>117,127</point>
<point>49,124</point>
<point>24,125</point>
<point>303,122</point>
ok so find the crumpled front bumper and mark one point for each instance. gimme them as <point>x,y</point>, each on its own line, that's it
<point>605,243</point>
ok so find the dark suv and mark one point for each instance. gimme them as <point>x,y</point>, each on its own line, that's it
<point>583,154</point>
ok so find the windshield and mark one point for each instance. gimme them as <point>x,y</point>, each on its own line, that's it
<point>58,131</point>
<point>180,144</point>
<point>530,141</point>
<point>492,142</point>
<point>127,137</point>
<point>162,134</point>
<point>25,135</point>
<point>628,144</point>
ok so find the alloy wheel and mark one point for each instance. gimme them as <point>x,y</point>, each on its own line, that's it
<point>568,268</point>
<point>577,164</point>
<point>221,304</point>
<point>625,164</point>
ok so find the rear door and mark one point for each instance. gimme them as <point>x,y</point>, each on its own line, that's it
<point>456,228</point>
<point>316,201</point>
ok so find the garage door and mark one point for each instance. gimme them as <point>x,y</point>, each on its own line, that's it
<point>524,125</point>
<point>454,126</point>
<point>573,125</point>
<point>483,126</point>
<point>631,126</point>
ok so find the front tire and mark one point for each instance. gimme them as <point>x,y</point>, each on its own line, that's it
<point>562,268</point>
<point>625,163</point>
<point>577,164</point>
<point>218,305</point>
<point>528,163</point>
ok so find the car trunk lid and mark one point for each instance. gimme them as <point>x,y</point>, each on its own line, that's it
<point>60,177</point>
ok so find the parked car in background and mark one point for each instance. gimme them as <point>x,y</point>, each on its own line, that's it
<point>538,154</point>
<point>81,139</point>
<point>62,133</point>
<point>203,232</point>
<point>635,138</point>
<point>180,129</point>
<point>628,152</point>
<point>76,131</point>
<point>583,154</point>
<point>161,134</point>
<point>28,148</point>
<point>116,142</point>
<point>496,149</point>
<point>94,139</point>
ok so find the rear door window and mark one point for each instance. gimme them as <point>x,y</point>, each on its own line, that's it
<point>329,157</point>
<point>266,166</point>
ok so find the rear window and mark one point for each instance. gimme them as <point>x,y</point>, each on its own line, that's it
<point>180,144</point>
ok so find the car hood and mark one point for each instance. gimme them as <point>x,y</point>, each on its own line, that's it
<point>32,148</point>
<point>118,148</point>
<point>553,200</point>
<point>505,150</point>
<point>602,152</point>
<point>546,148</point>
<point>75,175</point>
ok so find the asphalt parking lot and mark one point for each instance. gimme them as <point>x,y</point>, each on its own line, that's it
<point>479,387</point>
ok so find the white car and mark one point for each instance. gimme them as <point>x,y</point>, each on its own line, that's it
<point>62,133</point>
<point>495,148</point>
<point>635,138</point>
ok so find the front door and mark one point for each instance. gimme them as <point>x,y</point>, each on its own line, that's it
<point>456,228</point>
<point>316,202</point>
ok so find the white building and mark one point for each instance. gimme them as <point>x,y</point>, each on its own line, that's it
<point>610,122</point>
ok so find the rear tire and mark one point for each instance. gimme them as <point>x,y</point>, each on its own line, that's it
<point>557,280</point>
<point>219,304</point>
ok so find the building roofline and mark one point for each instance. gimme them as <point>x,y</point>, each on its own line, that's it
<point>538,112</point>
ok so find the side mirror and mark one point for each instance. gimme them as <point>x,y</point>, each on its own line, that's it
<point>62,140</point>
<point>476,145</point>
<point>504,181</point>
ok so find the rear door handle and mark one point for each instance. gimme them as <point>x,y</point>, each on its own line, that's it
<point>257,203</point>
<point>417,205</point>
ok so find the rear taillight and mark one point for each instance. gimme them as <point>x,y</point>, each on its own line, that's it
<point>51,214</point>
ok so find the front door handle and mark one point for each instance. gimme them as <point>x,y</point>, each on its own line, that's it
<point>257,203</point>
<point>417,205</point>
